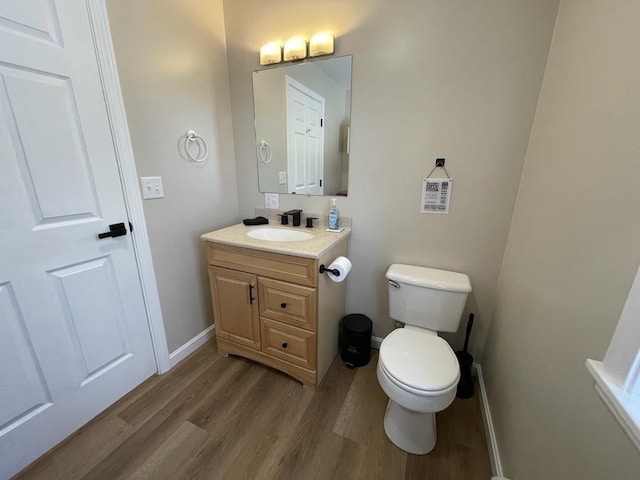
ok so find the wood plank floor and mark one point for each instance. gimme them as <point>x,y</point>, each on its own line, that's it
<point>228,418</point>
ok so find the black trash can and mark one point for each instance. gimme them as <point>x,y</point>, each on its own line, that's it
<point>355,340</point>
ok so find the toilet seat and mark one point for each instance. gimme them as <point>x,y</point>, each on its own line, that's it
<point>419,362</point>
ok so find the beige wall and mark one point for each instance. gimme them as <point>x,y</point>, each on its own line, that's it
<point>456,79</point>
<point>173,70</point>
<point>572,253</point>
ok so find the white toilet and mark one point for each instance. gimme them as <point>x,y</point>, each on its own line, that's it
<point>417,369</point>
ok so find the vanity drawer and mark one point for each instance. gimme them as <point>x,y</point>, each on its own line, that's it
<point>289,343</point>
<point>288,303</point>
<point>300,270</point>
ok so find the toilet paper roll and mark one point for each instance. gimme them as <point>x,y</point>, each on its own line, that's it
<point>343,266</point>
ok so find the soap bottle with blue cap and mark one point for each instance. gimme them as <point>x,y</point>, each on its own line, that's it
<point>334,216</point>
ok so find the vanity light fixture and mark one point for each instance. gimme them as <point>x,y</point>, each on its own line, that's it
<point>295,49</point>
<point>321,44</point>
<point>271,53</point>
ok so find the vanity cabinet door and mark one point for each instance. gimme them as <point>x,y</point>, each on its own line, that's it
<point>235,306</point>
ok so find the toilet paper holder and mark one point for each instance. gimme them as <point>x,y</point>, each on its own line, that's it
<point>333,271</point>
<point>338,269</point>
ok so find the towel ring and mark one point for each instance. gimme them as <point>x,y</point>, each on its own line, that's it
<point>192,136</point>
<point>264,152</point>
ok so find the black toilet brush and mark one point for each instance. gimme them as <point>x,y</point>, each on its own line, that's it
<point>465,384</point>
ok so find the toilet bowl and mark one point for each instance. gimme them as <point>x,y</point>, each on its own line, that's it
<point>419,372</point>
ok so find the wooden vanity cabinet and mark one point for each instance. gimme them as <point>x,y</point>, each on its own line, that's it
<point>276,308</point>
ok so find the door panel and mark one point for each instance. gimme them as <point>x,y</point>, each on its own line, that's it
<point>24,391</point>
<point>35,18</point>
<point>89,294</point>
<point>38,136</point>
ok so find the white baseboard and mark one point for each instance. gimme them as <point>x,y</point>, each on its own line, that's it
<point>191,346</point>
<point>375,342</point>
<point>492,443</point>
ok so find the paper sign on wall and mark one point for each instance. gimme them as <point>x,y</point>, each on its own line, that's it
<point>436,194</point>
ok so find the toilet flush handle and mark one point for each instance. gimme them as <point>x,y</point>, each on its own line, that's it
<point>394,284</point>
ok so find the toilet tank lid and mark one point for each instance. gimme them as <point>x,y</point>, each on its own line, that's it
<point>429,277</point>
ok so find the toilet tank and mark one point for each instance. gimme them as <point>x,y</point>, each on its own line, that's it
<point>427,297</point>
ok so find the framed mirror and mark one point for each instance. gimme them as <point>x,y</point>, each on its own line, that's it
<point>303,123</point>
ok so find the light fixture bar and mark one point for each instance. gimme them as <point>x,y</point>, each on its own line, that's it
<point>296,49</point>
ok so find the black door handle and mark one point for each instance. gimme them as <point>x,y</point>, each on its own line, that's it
<point>115,230</point>
<point>251,297</point>
<point>283,305</point>
<point>284,345</point>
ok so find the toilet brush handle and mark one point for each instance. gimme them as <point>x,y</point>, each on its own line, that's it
<point>466,338</point>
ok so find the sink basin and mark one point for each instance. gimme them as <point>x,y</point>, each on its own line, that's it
<point>279,234</point>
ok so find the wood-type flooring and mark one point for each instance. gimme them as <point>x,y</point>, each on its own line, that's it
<point>213,417</point>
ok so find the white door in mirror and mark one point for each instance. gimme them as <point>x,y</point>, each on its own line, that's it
<point>305,138</point>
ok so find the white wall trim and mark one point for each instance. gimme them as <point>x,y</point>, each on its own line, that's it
<point>617,377</point>
<point>492,442</point>
<point>622,360</point>
<point>192,345</point>
<point>375,342</point>
<point>98,19</point>
<point>624,406</point>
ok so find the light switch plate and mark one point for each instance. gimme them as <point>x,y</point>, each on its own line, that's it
<point>152,187</point>
<point>282,176</point>
<point>271,200</point>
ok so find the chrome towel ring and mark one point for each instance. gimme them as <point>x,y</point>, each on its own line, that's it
<point>191,137</point>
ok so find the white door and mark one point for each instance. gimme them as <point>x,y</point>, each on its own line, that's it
<point>305,138</point>
<point>74,335</point>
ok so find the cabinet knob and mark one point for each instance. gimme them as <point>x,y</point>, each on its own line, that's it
<point>284,345</point>
<point>283,305</point>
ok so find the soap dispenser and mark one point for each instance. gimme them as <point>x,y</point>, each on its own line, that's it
<point>334,216</point>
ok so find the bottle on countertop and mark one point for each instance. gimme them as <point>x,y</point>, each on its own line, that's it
<point>334,216</point>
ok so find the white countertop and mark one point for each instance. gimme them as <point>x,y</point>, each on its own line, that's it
<point>312,248</point>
